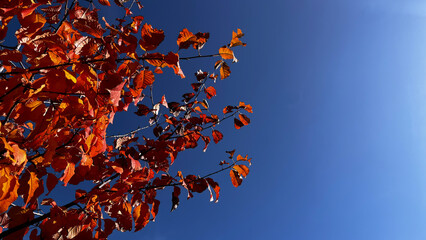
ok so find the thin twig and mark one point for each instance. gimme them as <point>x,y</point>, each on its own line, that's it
<point>94,61</point>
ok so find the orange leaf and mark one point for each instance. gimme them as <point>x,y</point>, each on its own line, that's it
<point>218,64</point>
<point>217,136</point>
<point>185,39</point>
<point>8,188</point>
<point>241,158</point>
<point>19,155</point>
<point>210,92</point>
<point>244,119</point>
<point>242,169</point>
<point>235,178</point>
<point>143,79</point>
<point>68,173</point>
<point>225,71</point>
<point>227,53</point>
<point>32,187</point>
<point>246,107</point>
<point>158,70</point>
<point>235,39</point>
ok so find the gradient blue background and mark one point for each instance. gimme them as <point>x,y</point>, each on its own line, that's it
<point>338,132</point>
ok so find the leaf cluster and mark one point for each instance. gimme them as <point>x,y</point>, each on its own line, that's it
<point>61,87</point>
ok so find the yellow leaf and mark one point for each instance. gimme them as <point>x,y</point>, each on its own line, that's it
<point>69,76</point>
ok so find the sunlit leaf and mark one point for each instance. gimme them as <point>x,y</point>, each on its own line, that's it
<point>225,71</point>
<point>235,178</point>
<point>242,169</point>
<point>217,136</point>
<point>151,37</point>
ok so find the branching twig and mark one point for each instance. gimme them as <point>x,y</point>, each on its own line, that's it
<point>94,61</point>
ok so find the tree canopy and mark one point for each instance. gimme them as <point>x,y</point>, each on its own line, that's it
<point>70,72</point>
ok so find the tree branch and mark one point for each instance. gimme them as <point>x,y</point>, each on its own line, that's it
<point>94,61</point>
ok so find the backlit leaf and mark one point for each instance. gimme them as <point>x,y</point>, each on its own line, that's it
<point>51,182</point>
<point>225,71</point>
<point>143,79</point>
<point>215,187</point>
<point>217,136</point>
<point>32,187</point>
<point>226,53</point>
<point>151,37</point>
<point>141,216</point>
<point>185,39</point>
<point>210,92</point>
<point>244,119</point>
<point>235,178</point>
<point>68,173</point>
<point>242,169</point>
<point>238,124</point>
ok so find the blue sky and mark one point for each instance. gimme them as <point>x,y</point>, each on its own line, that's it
<point>337,135</point>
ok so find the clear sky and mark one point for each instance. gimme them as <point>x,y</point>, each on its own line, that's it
<point>338,132</point>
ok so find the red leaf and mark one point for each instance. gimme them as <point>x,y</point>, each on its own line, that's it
<point>206,141</point>
<point>164,102</point>
<point>51,182</point>
<point>231,153</point>
<point>141,216</point>
<point>175,198</point>
<point>104,2</point>
<point>154,209</point>
<point>210,92</point>
<point>228,109</point>
<point>89,26</point>
<point>142,110</point>
<point>217,136</point>
<point>215,187</point>
<point>151,37</point>
<point>20,216</point>
<point>10,55</point>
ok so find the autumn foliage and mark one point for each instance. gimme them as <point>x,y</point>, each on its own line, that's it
<point>61,85</point>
